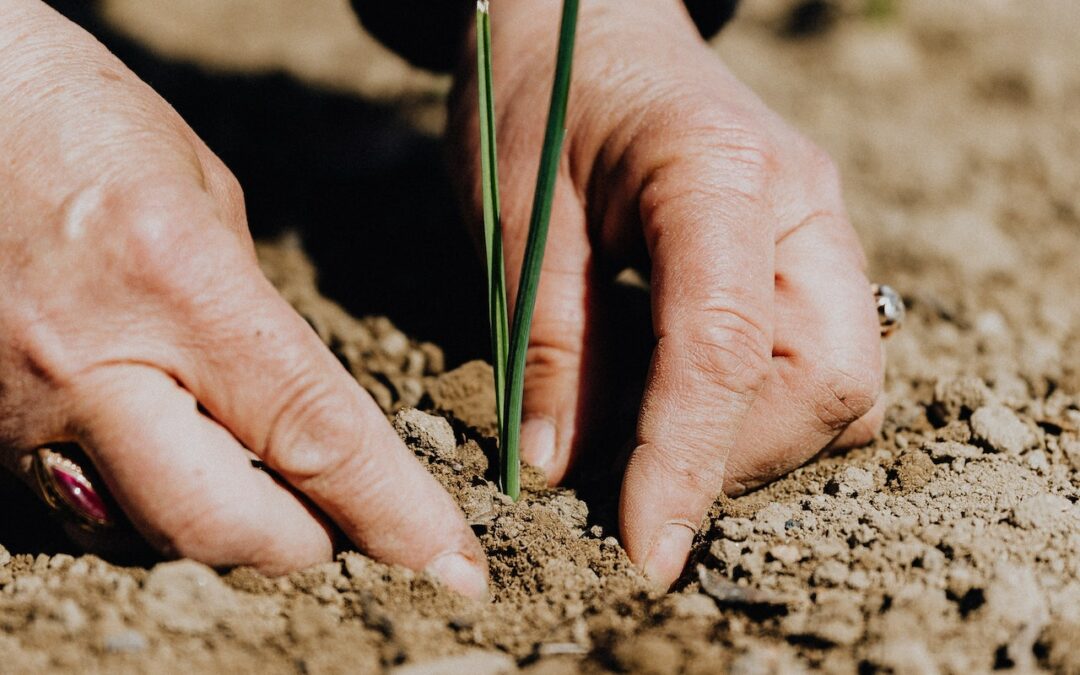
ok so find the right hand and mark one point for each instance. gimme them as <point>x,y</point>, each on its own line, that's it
<point>135,322</point>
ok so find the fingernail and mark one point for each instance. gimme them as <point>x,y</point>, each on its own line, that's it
<point>457,572</point>
<point>538,442</point>
<point>670,549</point>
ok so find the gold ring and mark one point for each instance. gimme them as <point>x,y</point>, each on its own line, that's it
<point>69,491</point>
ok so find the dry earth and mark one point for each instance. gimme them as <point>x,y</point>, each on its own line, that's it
<point>950,545</point>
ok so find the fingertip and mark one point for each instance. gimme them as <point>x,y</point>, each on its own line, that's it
<point>862,431</point>
<point>538,444</point>
<point>668,553</point>
<point>661,509</point>
<point>458,572</point>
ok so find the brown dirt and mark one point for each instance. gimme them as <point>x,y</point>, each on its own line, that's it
<point>952,544</point>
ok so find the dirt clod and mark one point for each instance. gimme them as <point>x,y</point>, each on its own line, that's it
<point>1000,430</point>
<point>426,432</point>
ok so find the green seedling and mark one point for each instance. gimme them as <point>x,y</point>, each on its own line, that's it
<point>880,10</point>
<point>508,348</point>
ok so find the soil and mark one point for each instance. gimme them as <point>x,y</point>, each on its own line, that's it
<point>951,544</point>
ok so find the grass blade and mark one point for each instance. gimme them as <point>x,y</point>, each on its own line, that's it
<point>550,156</point>
<point>489,167</point>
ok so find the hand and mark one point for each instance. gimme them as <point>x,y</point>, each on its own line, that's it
<point>135,322</point>
<point>767,346</point>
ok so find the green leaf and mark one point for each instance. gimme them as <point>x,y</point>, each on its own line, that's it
<point>550,156</point>
<point>493,248</point>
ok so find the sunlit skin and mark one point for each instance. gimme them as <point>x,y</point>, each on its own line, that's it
<point>131,294</point>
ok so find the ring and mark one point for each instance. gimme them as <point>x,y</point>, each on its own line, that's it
<point>890,309</point>
<point>69,491</point>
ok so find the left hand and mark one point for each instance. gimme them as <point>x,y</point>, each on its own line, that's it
<point>767,343</point>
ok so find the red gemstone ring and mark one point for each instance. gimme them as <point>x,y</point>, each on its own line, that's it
<point>70,492</point>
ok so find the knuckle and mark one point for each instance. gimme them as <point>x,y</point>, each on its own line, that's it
<point>34,348</point>
<point>545,361</point>
<point>308,409</point>
<point>226,188</point>
<point>695,128</point>
<point>749,155</point>
<point>224,181</point>
<point>687,470</point>
<point>843,393</point>
<point>550,356</point>
<point>160,225</point>
<point>173,250</point>
<point>754,151</point>
<point>824,169</point>
<point>731,351</point>
<point>154,242</point>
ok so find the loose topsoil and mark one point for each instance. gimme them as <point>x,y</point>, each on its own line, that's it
<point>951,544</point>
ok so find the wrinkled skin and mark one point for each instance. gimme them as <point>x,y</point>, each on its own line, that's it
<point>767,346</point>
<point>132,293</point>
<point>135,321</point>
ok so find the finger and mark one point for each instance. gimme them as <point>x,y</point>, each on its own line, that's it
<point>862,431</point>
<point>561,373</point>
<point>710,241</point>
<point>184,481</point>
<point>263,373</point>
<point>827,359</point>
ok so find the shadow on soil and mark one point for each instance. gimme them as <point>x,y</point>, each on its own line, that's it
<point>369,195</point>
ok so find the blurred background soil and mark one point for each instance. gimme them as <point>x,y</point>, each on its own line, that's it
<point>950,545</point>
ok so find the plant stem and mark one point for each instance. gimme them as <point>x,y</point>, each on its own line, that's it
<point>534,248</point>
<point>489,167</point>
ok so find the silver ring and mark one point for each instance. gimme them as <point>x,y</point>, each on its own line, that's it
<point>890,309</point>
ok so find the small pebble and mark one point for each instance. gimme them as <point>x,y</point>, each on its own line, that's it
<point>1042,511</point>
<point>79,568</point>
<point>125,641</point>
<point>394,344</point>
<point>786,553</point>
<point>693,605</point>
<point>959,397</point>
<point>425,432</point>
<point>860,480</point>
<point>1001,430</point>
<point>435,362</point>
<point>28,585</point>
<point>414,363</point>
<point>1037,461</point>
<point>474,663</point>
<point>186,597</point>
<point>859,580</point>
<point>68,613</point>
<point>735,529</point>
<point>61,561</point>
<point>772,518</point>
<point>830,573</point>
<point>943,451</point>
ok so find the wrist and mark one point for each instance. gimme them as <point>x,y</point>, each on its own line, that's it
<point>427,33</point>
<point>627,58</point>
